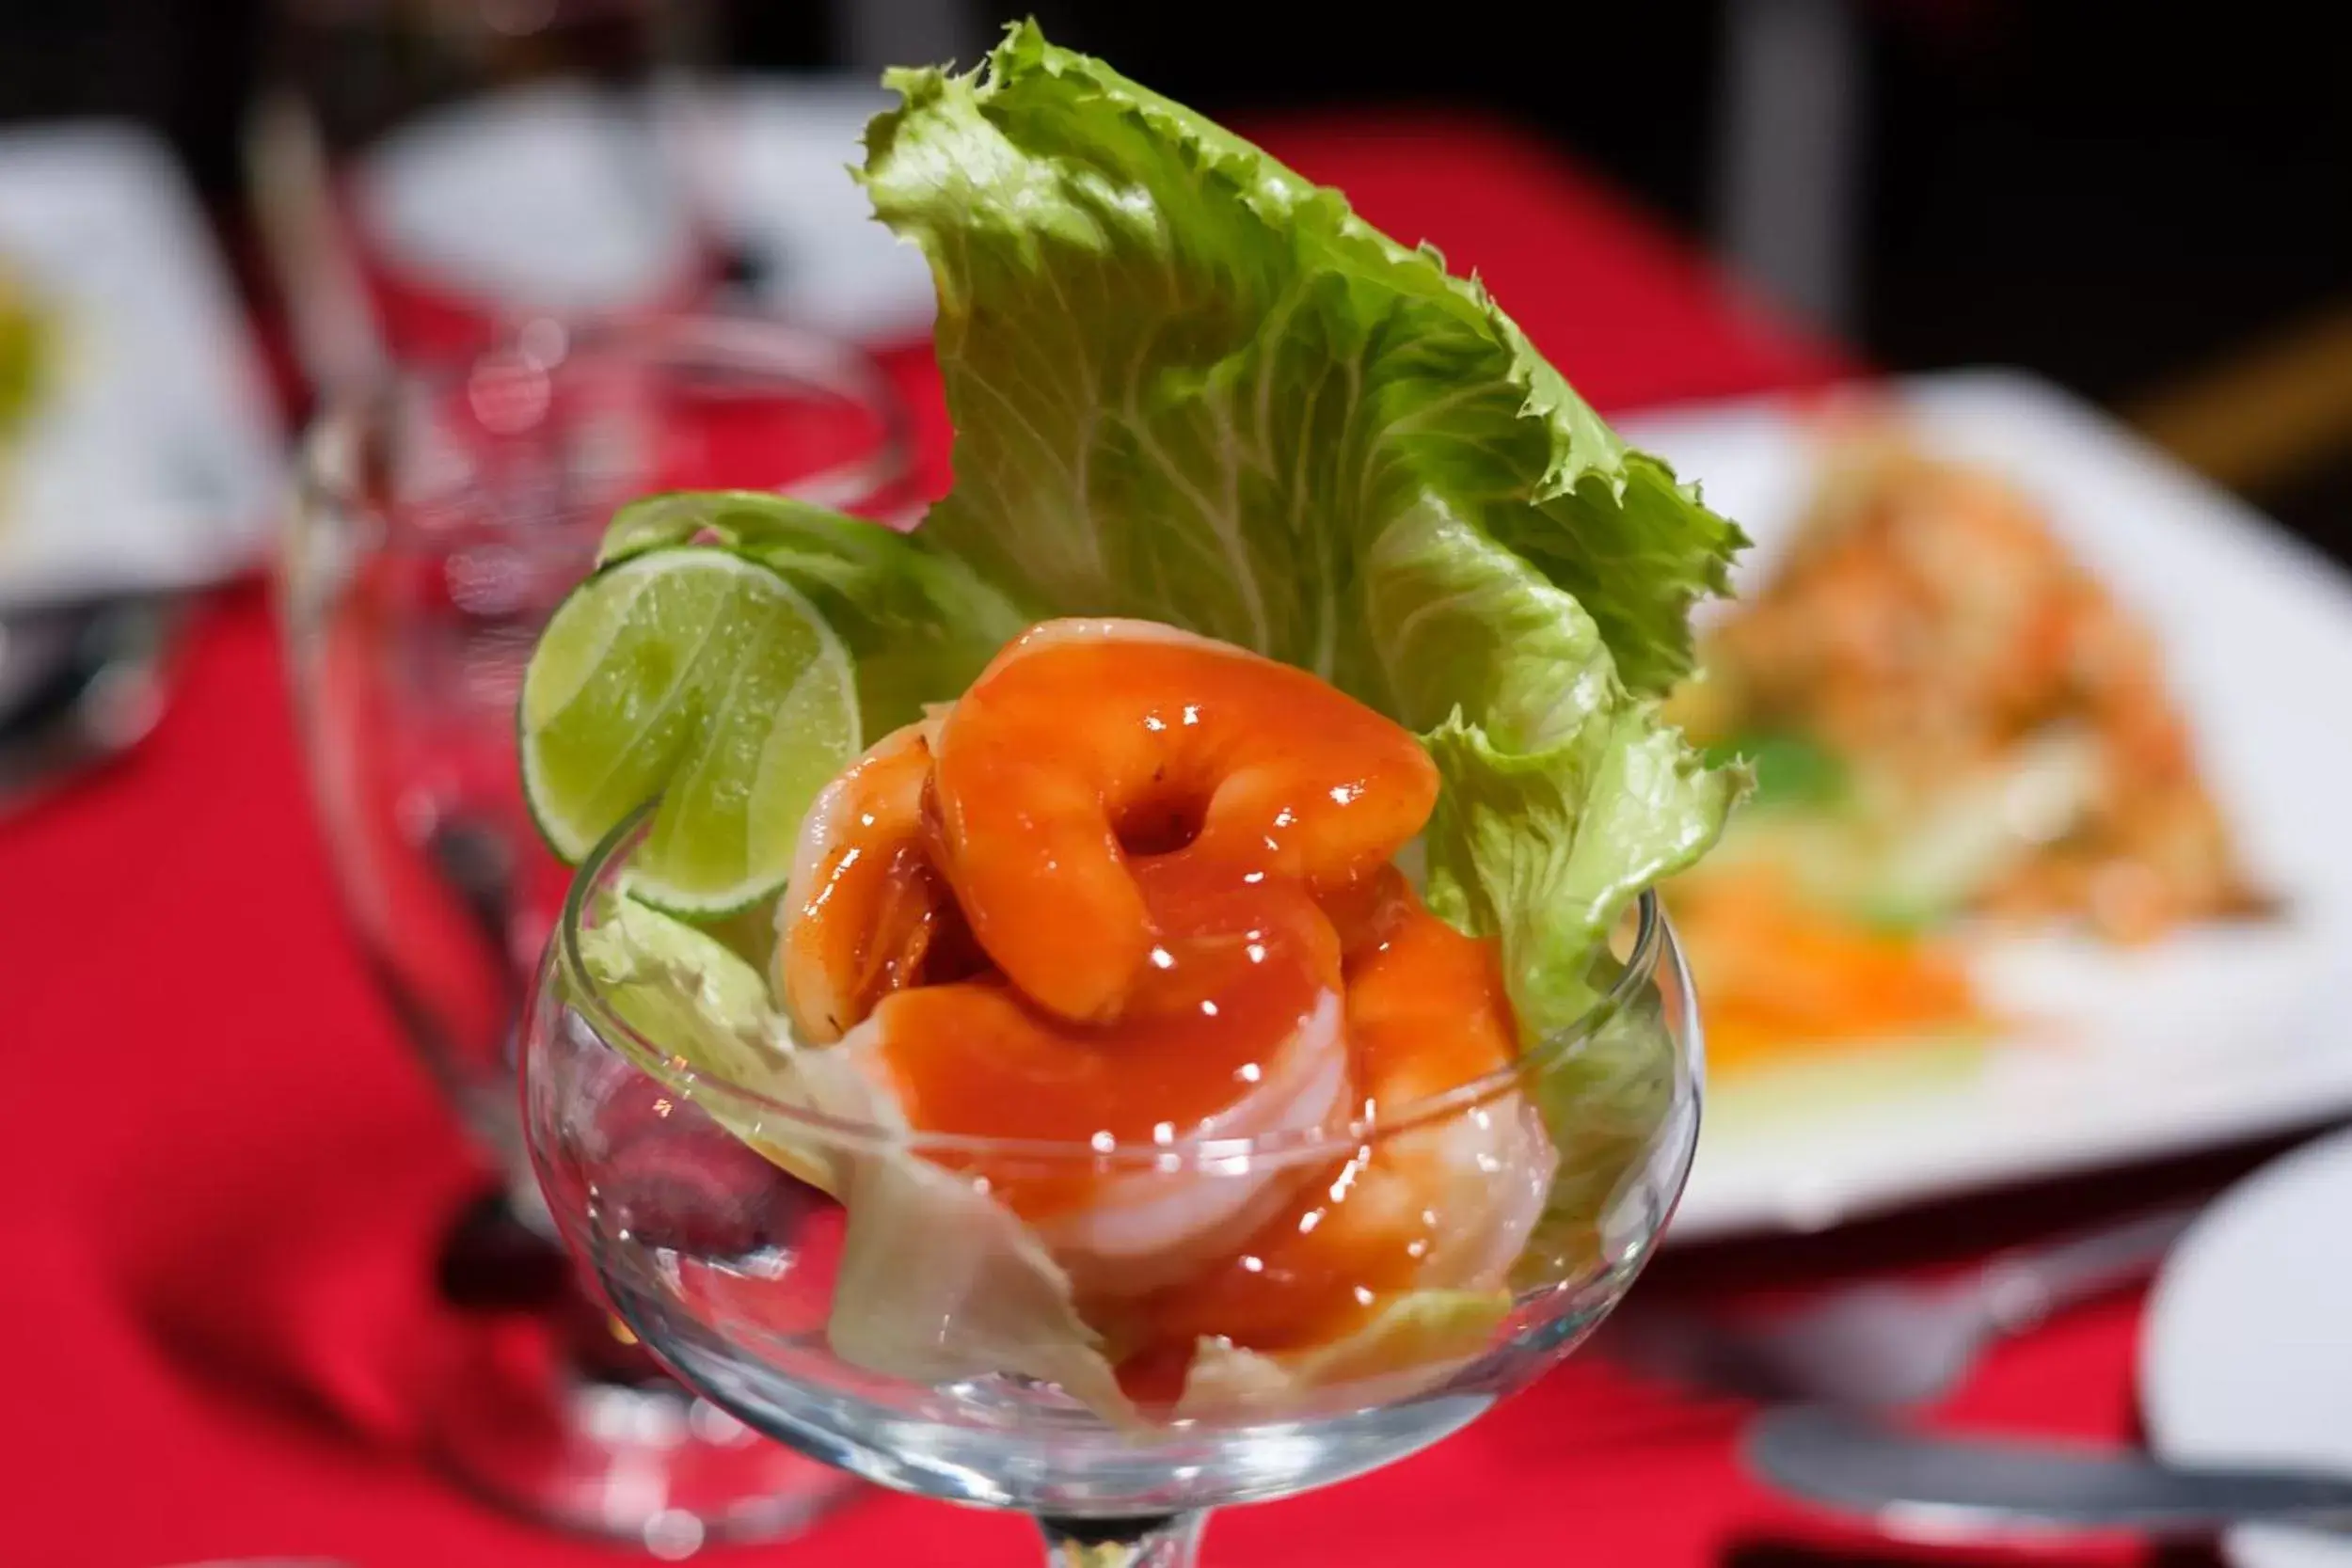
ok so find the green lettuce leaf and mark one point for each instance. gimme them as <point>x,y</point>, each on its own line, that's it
<point>1607,1100</point>
<point>1189,386</point>
<point>1413,1342</point>
<point>1544,851</point>
<point>938,1280</point>
<point>704,1015</point>
<point>919,623</point>
<point>1546,848</point>
<point>678,986</point>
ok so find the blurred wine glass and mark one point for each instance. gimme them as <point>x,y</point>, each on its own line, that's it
<point>430,172</point>
<point>442,513</point>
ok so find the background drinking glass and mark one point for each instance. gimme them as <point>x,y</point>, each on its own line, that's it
<point>440,518</point>
<point>727,1267</point>
<point>428,171</point>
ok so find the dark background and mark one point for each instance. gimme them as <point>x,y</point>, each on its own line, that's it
<point>2122,197</point>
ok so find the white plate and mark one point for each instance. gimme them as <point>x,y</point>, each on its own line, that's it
<point>2214,1035</point>
<point>2244,1355</point>
<point>555,195</point>
<point>829,263</point>
<point>154,462</point>
<point>552,195</point>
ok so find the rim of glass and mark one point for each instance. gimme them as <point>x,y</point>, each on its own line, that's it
<point>1654,945</point>
<point>712,340</point>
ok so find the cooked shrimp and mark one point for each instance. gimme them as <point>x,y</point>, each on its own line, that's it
<point>865,909</point>
<point>1234,1031</point>
<point>1176,857</point>
<point>1086,742</point>
<point>1447,1205</point>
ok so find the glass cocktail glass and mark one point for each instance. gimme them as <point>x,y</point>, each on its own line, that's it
<point>727,1267</point>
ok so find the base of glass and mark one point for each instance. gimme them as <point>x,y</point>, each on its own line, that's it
<point>652,1466</point>
<point>549,1409</point>
<point>1168,1541</point>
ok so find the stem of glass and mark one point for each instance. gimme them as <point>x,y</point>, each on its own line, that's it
<point>1165,1540</point>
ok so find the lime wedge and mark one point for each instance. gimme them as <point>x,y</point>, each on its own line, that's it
<point>705,680</point>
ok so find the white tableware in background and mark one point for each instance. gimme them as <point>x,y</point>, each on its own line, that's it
<point>153,461</point>
<point>548,196</point>
<point>2217,1034</point>
<point>518,197</point>
<point>2245,1354</point>
<point>789,200</point>
<point>428,177</point>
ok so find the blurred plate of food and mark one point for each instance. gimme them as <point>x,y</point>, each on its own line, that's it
<point>2047,867</point>
<point>137,448</point>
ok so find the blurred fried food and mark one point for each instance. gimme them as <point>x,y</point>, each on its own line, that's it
<point>1950,717</point>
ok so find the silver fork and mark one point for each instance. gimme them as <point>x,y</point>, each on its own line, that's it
<point>1888,1343</point>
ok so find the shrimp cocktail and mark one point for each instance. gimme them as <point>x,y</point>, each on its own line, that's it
<point>1141,993</point>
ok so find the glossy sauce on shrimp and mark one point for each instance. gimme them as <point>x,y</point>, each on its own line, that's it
<point>1135,890</point>
<point>1446,1202</point>
<point>866,903</point>
<point>1087,739</point>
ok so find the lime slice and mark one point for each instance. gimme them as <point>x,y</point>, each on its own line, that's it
<point>703,679</point>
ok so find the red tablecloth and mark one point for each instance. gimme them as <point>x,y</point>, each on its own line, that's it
<point>211,1104</point>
